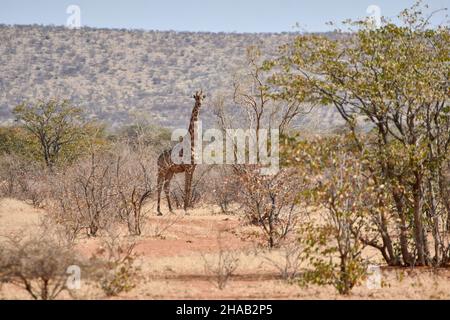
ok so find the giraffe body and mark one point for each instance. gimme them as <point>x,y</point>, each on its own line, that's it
<point>167,168</point>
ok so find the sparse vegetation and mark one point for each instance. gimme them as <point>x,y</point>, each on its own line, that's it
<point>124,75</point>
<point>114,264</point>
<point>374,189</point>
<point>270,202</point>
<point>288,263</point>
<point>159,229</point>
<point>222,267</point>
<point>133,183</point>
<point>37,264</point>
<point>85,199</point>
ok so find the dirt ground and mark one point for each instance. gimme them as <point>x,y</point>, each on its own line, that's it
<point>175,251</point>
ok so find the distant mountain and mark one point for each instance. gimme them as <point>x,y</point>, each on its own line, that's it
<point>121,75</point>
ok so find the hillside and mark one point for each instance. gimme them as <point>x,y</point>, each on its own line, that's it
<point>121,75</point>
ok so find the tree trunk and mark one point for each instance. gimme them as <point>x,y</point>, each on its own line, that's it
<point>419,237</point>
<point>407,259</point>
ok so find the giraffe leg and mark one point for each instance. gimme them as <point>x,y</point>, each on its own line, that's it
<point>187,188</point>
<point>168,178</point>
<point>160,185</point>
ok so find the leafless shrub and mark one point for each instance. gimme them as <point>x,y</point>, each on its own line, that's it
<point>38,187</point>
<point>289,262</point>
<point>132,182</point>
<point>11,173</point>
<point>84,196</point>
<point>158,228</point>
<point>23,180</point>
<point>98,192</point>
<point>199,189</point>
<point>222,267</point>
<point>37,264</point>
<point>226,189</point>
<point>270,202</point>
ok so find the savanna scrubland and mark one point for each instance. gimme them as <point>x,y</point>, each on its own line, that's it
<point>79,194</point>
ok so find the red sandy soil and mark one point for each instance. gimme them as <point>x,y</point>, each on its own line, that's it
<point>172,264</point>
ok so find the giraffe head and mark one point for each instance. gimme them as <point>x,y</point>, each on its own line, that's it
<point>199,97</point>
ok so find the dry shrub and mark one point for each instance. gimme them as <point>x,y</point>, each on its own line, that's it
<point>114,265</point>
<point>84,196</point>
<point>96,193</point>
<point>212,185</point>
<point>271,202</point>
<point>199,190</point>
<point>37,264</point>
<point>159,227</point>
<point>288,262</point>
<point>133,184</point>
<point>222,267</point>
<point>12,171</point>
<point>38,187</point>
<point>23,180</point>
<point>226,189</point>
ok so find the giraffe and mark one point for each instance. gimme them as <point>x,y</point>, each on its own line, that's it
<point>167,168</point>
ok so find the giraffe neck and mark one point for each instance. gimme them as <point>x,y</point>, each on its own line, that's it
<point>194,119</point>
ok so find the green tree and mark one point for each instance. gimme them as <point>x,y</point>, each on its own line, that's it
<point>59,129</point>
<point>345,198</point>
<point>15,140</point>
<point>393,80</point>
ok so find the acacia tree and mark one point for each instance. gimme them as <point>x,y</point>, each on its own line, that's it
<point>394,81</point>
<point>56,125</point>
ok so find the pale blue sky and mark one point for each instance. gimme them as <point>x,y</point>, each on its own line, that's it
<point>201,15</point>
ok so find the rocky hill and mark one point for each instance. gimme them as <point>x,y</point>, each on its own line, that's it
<point>121,75</point>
